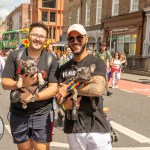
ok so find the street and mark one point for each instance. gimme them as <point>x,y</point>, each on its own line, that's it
<point>129,108</point>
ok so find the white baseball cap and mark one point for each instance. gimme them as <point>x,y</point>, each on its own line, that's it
<point>77,27</point>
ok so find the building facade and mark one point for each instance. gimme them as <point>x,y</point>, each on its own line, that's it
<point>121,23</point>
<point>124,25</point>
<point>3,27</point>
<point>19,17</point>
<point>88,13</point>
<point>51,13</point>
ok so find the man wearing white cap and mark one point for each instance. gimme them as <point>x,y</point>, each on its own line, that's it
<point>90,131</point>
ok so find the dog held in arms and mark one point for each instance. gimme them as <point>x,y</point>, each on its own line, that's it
<point>28,67</point>
<point>82,77</point>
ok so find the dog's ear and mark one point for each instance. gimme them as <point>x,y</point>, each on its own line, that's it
<point>74,67</point>
<point>20,62</point>
<point>92,68</point>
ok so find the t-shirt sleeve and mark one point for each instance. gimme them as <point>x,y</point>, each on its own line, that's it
<point>10,68</point>
<point>52,78</point>
<point>100,68</point>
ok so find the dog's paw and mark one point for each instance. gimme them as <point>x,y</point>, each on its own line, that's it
<point>41,82</point>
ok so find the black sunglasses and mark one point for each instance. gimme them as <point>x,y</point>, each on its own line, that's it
<point>71,39</point>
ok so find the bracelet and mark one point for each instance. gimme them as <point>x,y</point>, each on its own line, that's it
<point>64,108</point>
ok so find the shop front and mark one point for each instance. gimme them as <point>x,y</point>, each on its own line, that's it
<point>125,33</point>
<point>123,39</point>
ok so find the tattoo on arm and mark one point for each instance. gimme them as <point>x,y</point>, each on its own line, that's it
<point>96,88</point>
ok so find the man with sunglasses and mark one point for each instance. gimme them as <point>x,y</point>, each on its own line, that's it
<point>31,127</point>
<point>91,130</point>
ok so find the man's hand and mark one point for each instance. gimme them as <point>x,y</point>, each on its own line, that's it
<point>29,80</point>
<point>69,102</point>
<point>25,96</point>
<point>62,93</point>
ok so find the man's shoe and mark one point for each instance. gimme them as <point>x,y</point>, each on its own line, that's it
<point>109,93</point>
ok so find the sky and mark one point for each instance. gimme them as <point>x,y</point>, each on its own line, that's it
<point>7,6</point>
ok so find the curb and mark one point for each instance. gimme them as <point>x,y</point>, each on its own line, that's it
<point>135,81</point>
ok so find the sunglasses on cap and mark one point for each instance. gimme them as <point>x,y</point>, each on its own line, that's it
<point>71,39</point>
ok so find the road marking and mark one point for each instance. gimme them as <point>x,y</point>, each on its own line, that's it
<point>132,134</point>
<point>126,91</point>
<point>142,90</point>
<point>115,126</point>
<point>8,128</point>
<point>132,148</point>
<point>56,144</point>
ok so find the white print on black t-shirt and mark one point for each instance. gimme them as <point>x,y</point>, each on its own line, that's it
<point>68,73</point>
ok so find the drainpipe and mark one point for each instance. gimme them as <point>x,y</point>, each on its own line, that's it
<point>143,20</point>
<point>81,4</point>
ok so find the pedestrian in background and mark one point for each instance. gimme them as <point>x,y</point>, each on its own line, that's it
<point>30,127</point>
<point>49,49</point>
<point>66,56</point>
<point>123,61</point>
<point>115,70</point>
<point>91,130</point>
<point>2,64</point>
<point>89,51</point>
<point>102,53</point>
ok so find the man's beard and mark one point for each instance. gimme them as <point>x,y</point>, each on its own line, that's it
<point>81,50</point>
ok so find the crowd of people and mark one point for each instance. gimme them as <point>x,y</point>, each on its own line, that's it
<point>32,128</point>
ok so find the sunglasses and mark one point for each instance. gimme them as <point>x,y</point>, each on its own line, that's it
<point>72,39</point>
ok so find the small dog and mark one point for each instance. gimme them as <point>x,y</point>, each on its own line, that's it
<point>82,77</point>
<point>28,67</point>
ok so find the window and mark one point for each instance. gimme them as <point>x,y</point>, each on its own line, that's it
<point>120,45</point>
<point>78,15</point>
<point>115,7</point>
<point>49,3</point>
<point>87,19</point>
<point>134,5</point>
<point>52,17</point>
<point>50,33</point>
<point>127,43</point>
<point>99,11</point>
<point>44,16</point>
<point>70,18</point>
<point>54,30</point>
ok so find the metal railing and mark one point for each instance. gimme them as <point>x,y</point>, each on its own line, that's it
<point>138,63</point>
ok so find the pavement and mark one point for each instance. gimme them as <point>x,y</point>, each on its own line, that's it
<point>135,78</point>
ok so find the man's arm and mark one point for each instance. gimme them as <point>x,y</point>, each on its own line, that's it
<point>10,84</point>
<point>94,89</point>
<point>47,93</point>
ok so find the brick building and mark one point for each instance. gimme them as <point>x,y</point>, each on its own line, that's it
<point>88,14</point>
<point>2,27</point>
<point>51,13</point>
<point>123,24</point>
<point>19,17</point>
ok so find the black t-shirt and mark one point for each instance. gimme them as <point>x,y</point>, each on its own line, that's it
<point>10,71</point>
<point>88,119</point>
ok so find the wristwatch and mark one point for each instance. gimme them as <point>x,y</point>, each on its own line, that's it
<point>32,98</point>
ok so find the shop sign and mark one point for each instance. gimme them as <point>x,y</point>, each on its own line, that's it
<point>122,30</point>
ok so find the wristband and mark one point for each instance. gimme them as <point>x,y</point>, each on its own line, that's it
<point>64,108</point>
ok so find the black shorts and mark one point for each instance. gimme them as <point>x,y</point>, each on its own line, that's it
<point>35,127</point>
